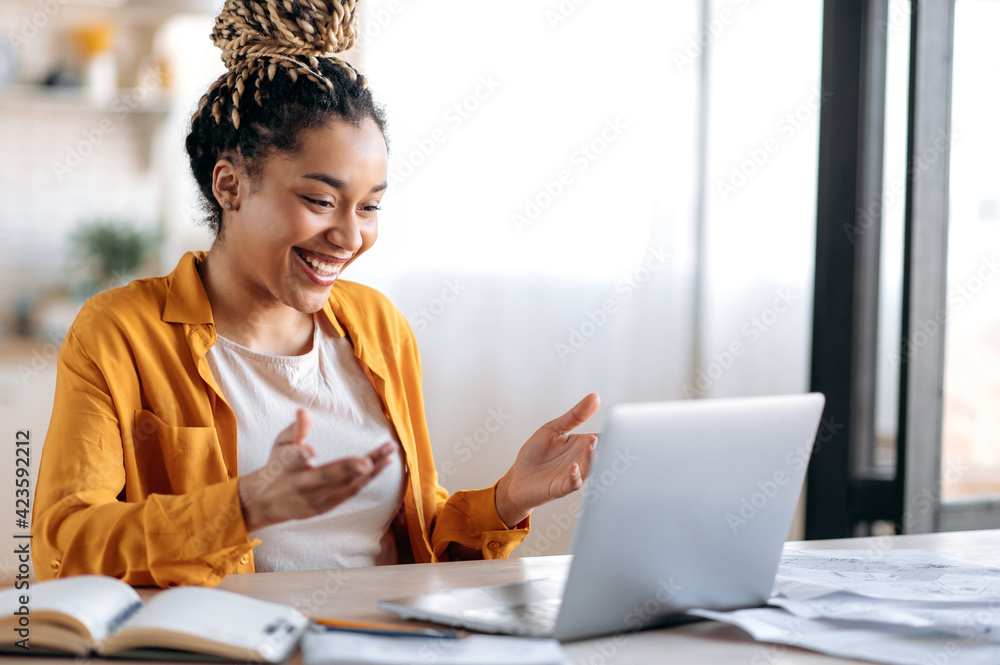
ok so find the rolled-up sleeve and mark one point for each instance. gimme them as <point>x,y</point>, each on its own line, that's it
<point>470,518</point>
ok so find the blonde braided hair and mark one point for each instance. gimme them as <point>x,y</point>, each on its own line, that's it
<point>258,36</point>
<point>281,79</point>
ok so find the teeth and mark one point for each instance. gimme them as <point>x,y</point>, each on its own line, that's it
<point>320,267</point>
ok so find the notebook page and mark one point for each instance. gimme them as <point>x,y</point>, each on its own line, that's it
<point>213,615</point>
<point>96,602</point>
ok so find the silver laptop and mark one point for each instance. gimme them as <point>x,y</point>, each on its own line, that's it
<point>687,505</point>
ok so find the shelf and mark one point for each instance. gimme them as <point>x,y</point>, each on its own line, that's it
<point>125,102</point>
<point>129,11</point>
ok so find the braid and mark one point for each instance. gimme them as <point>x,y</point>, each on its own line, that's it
<point>258,36</point>
<point>281,78</point>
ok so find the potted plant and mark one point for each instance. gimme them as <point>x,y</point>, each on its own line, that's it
<point>113,252</point>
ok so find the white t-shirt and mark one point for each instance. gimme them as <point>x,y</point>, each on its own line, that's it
<point>347,421</point>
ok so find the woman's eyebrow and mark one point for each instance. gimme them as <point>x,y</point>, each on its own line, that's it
<point>337,183</point>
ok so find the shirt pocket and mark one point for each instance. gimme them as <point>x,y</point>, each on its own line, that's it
<point>176,460</point>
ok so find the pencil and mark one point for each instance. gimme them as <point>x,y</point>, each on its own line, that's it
<point>386,628</point>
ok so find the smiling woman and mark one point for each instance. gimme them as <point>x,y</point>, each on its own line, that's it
<point>161,464</point>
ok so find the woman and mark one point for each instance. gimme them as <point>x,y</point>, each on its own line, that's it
<point>160,465</point>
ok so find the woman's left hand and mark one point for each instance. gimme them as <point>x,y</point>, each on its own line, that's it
<point>550,465</point>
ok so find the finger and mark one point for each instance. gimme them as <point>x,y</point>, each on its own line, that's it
<point>380,466</point>
<point>324,499</point>
<point>327,496</point>
<point>579,414</point>
<point>587,454</point>
<point>584,441</point>
<point>292,456</point>
<point>379,462</point>
<point>381,457</point>
<point>362,477</point>
<point>339,473</point>
<point>302,425</point>
<point>574,480</point>
<point>383,452</point>
<point>297,431</point>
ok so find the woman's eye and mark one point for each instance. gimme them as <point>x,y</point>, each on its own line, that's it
<point>319,202</point>
<point>372,208</point>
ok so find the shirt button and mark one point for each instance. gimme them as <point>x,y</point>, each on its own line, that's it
<point>494,545</point>
<point>55,565</point>
<point>245,559</point>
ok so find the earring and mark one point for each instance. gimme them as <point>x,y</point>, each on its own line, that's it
<point>228,206</point>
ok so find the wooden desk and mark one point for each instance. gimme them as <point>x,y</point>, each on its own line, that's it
<point>353,594</point>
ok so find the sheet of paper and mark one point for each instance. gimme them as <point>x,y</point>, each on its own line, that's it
<point>880,643</point>
<point>886,574</point>
<point>903,607</point>
<point>339,647</point>
<point>960,619</point>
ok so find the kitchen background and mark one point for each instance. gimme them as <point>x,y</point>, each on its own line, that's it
<point>544,162</point>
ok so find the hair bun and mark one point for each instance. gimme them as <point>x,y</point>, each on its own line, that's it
<point>268,28</point>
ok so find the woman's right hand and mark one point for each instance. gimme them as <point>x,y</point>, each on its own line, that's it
<point>291,487</point>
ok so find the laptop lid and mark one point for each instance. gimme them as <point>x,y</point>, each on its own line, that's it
<point>687,504</point>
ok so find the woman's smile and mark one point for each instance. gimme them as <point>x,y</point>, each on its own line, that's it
<point>323,269</point>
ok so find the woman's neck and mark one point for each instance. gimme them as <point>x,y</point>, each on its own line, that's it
<point>243,316</point>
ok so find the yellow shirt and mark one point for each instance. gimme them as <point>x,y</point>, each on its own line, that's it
<point>138,474</point>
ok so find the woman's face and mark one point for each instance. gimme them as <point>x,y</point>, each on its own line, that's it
<point>310,214</point>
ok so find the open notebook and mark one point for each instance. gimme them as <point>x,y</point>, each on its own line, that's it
<point>94,615</point>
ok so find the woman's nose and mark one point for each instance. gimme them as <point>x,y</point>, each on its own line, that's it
<point>346,232</point>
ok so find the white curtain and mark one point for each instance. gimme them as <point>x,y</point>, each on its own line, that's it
<point>539,229</point>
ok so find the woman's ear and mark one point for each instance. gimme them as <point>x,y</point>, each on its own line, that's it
<point>226,184</point>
